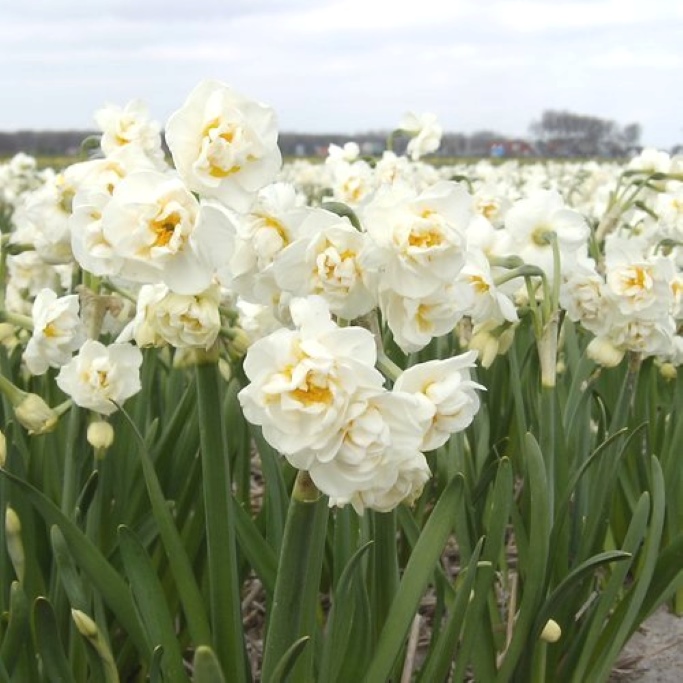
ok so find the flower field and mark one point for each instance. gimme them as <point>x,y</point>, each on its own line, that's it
<point>364,420</point>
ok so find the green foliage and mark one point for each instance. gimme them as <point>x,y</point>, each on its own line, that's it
<point>557,504</point>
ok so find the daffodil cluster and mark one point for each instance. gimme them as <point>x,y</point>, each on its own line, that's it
<point>224,243</point>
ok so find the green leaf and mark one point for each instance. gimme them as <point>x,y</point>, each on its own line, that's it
<point>68,573</point>
<point>440,658</point>
<point>417,573</point>
<point>86,496</point>
<point>48,643</point>
<point>342,619</point>
<point>298,578</point>
<point>18,631</point>
<point>624,621</point>
<point>188,591</point>
<point>150,601</point>
<point>567,587</point>
<point>477,645</point>
<point>156,670</point>
<point>286,664</point>
<point>103,576</point>
<point>585,643</point>
<point>206,667</point>
<point>344,211</point>
<point>258,552</point>
<point>667,578</point>
<point>224,583</point>
<point>535,578</point>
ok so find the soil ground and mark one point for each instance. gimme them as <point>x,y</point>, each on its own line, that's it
<point>654,653</point>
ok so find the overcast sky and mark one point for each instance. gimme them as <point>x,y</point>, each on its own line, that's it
<point>349,66</point>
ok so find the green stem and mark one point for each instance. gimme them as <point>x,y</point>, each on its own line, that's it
<point>384,567</point>
<point>70,466</point>
<point>224,589</point>
<point>298,580</point>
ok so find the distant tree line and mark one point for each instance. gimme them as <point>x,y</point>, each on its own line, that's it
<point>569,134</point>
<point>556,133</point>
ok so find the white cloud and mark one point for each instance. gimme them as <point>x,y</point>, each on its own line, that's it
<point>346,66</point>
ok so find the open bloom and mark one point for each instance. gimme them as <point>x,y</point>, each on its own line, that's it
<point>328,264</point>
<point>181,320</point>
<point>448,397</point>
<point>426,133</point>
<point>57,331</point>
<point>417,241</point>
<point>303,381</point>
<point>224,144</point>
<point>130,128</point>
<point>99,376</point>
<point>379,463</point>
<point>160,231</point>
<point>533,223</point>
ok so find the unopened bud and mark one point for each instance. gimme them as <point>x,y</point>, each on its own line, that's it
<point>85,625</point>
<point>3,449</point>
<point>35,415</point>
<point>238,344</point>
<point>100,434</point>
<point>551,631</point>
<point>668,371</point>
<point>225,369</point>
<point>604,352</point>
<point>15,546</point>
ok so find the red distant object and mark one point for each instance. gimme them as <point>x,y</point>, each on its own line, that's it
<point>511,148</point>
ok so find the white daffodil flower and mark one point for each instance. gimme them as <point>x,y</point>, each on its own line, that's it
<point>303,381</point>
<point>153,223</point>
<point>381,444</point>
<point>447,395</point>
<point>534,221</point>
<point>426,134</point>
<point>417,241</point>
<point>57,331</point>
<point>130,128</point>
<point>224,145</point>
<point>329,264</point>
<point>99,376</point>
<point>181,320</point>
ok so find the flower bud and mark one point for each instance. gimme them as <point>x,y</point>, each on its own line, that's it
<point>3,449</point>
<point>668,371</point>
<point>100,434</point>
<point>238,345</point>
<point>35,415</point>
<point>551,631</point>
<point>604,352</point>
<point>225,369</point>
<point>15,546</point>
<point>85,625</point>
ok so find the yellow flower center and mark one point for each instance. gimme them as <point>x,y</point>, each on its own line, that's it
<point>50,331</point>
<point>165,228</point>
<point>479,285</point>
<point>638,279</point>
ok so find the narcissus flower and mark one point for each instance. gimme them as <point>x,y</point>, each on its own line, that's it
<point>328,264</point>
<point>418,240</point>
<point>426,132</point>
<point>153,223</point>
<point>181,320</point>
<point>100,376</point>
<point>224,145</point>
<point>57,331</point>
<point>130,127</point>
<point>532,223</point>
<point>303,381</point>
<point>446,393</point>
